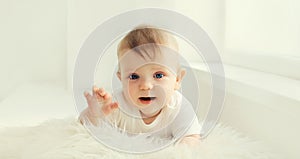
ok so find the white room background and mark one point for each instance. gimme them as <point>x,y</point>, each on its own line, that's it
<point>33,42</point>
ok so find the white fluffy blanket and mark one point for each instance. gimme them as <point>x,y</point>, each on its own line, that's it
<point>67,139</point>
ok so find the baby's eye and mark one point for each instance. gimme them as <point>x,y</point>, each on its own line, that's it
<point>134,76</point>
<point>159,75</point>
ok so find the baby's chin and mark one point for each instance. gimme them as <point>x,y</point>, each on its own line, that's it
<point>150,113</point>
<point>149,109</point>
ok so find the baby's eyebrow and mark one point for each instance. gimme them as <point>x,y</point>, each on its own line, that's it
<point>130,72</point>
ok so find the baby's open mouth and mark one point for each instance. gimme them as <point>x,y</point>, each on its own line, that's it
<point>146,100</point>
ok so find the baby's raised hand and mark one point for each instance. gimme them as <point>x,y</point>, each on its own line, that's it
<point>99,105</point>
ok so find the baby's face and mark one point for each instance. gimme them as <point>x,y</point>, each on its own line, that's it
<point>149,85</point>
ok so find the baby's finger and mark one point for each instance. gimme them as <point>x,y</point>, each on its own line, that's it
<point>92,102</point>
<point>87,96</point>
<point>107,109</point>
<point>105,96</point>
<point>98,92</point>
<point>114,105</point>
<point>102,92</point>
<point>95,91</point>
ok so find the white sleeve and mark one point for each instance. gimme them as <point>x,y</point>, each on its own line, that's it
<point>194,128</point>
<point>186,122</point>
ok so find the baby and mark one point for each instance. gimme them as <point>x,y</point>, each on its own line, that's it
<point>149,101</point>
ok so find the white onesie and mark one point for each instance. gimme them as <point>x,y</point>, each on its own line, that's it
<point>176,120</point>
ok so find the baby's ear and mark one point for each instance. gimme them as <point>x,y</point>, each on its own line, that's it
<point>119,75</point>
<point>179,78</point>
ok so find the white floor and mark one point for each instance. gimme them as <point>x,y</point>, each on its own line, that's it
<point>32,104</point>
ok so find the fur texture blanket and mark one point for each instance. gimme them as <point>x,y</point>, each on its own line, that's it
<point>68,139</point>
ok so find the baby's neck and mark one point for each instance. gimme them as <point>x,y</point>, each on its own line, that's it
<point>149,119</point>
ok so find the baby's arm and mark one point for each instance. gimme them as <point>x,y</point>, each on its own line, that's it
<point>99,105</point>
<point>192,136</point>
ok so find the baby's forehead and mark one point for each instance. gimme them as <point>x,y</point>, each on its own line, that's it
<point>132,61</point>
<point>160,55</point>
<point>153,66</point>
<point>149,51</point>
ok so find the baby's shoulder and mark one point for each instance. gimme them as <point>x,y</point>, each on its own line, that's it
<point>186,109</point>
<point>182,101</point>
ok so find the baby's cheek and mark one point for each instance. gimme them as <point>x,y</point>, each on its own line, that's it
<point>125,84</point>
<point>125,87</point>
<point>130,89</point>
<point>169,86</point>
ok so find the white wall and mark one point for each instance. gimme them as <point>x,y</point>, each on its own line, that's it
<point>264,27</point>
<point>263,35</point>
<point>33,42</point>
<point>209,14</point>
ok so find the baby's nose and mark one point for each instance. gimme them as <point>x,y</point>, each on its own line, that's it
<point>146,84</point>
